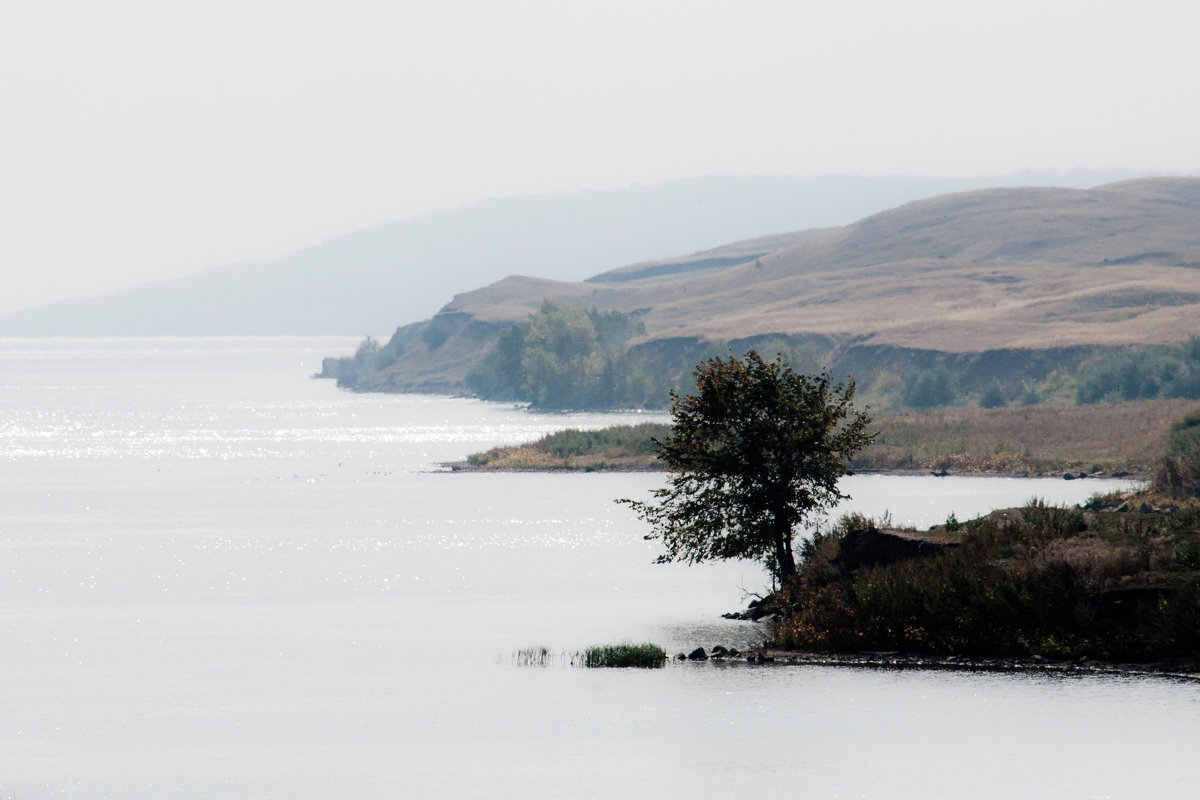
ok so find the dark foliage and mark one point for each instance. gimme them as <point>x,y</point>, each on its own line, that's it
<point>1142,373</point>
<point>564,358</point>
<point>993,396</point>
<point>929,388</point>
<point>1048,581</point>
<point>756,451</point>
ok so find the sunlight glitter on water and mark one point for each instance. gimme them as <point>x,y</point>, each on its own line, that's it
<point>224,580</point>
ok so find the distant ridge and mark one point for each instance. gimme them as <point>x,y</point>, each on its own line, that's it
<point>401,272</point>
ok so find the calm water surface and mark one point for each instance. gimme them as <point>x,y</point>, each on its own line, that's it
<point>221,579</point>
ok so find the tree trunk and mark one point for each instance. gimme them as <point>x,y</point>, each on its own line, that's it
<point>783,553</point>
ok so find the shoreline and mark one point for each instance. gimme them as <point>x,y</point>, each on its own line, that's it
<point>1175,669</point>
<point>1100,440</point>
<point>465,467</point>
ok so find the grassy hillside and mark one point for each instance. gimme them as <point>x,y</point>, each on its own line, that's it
<point>1022,287</point>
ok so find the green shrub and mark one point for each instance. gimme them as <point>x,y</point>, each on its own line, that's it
<point>356,372</point>
<point>1179,474</point>
<point>563,357</point>
<point>929,388</point>
<point>993,395</point>
<point>499,376</point>
<point>1135,373</point>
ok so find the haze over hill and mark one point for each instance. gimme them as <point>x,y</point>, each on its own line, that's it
<point>1028,272</point>
<point>400,272</point>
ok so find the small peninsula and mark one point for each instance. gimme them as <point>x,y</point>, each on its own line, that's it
<point>1112,584</point>
<point>1107,439</point>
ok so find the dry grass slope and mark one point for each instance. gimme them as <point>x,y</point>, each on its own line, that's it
<point>1027,270</point>
<point>1002,268</point>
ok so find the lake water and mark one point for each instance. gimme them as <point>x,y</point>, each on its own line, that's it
<point>222,579</point>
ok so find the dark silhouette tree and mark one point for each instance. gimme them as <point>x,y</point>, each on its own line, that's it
<point>754,453</point>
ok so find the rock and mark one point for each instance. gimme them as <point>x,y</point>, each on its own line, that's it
<point>681,657</point>
<point>733,652</point>
<point>718,651</point>
<point>757,613</point>
<point>1068,476</point>
<point>698,654</point>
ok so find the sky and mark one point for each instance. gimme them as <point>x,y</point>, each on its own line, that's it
<point>148,139</point>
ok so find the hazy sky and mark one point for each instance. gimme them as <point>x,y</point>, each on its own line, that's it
<point>145,140</point>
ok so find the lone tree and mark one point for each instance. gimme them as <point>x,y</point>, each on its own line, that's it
<point>755,452</point>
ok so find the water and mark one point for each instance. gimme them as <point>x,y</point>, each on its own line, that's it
<point>221,579</point>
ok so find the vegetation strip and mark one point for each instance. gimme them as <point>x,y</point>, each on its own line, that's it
<point>1049,440</point>
<point>626,654</point>
<point>1038,581</point>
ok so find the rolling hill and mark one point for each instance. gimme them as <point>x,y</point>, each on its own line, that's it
<point>1006,283</point>
<point>399,272</point>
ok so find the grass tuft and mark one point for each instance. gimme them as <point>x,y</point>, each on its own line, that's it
<point>643,655</point>
<point>532,657</point>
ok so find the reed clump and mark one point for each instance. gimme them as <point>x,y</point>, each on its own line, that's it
<point>538,656</point>
<point>644,655</point>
